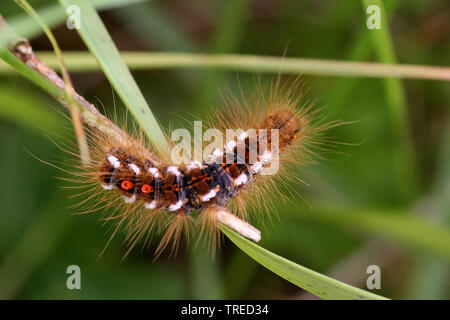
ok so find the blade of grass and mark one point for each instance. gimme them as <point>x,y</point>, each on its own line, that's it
<point>360,51</point>
<point>84,62</point>
<point>74,109</point>
<point>10,39</point>
<point>404,158</point>
<point>309,280</point>
<point>30,74</point>
<point>99,42</point>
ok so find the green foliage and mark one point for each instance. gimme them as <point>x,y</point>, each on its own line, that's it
<point>377,191</point>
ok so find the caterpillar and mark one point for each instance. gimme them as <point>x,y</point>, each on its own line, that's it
<point>146,190</point>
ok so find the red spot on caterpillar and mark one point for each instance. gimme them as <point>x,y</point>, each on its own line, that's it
<point>127,185</point>
<point>146,188</point>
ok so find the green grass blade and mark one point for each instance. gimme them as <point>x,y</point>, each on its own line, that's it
<point>84,62</point>
<point>404,157</point>
<point>360,51</point>
<point>9,38</point>
<point>309,280</point>
<point>29,73</point>
<point>99,42</point>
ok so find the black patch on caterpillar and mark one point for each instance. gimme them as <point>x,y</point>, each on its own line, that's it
<point>188,187</point>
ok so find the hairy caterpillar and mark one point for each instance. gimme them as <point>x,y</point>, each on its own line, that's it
<point>146,190</point>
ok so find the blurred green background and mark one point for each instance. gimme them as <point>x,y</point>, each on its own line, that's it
<point>383,201</point>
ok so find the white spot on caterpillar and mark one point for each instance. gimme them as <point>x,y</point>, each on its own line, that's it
<point>230,145</point>
<point>241,180</point>
<point>135,168</point>
<point>174,170</point>
<point>114,161</point>
<point>211,194</point>
<point>154,172</point>
<point>129,199</point>
<point>107,186</point>
<point>176,206</point>
<point>242,136</point>
<point>216,154</point>
<point>194,164</point>
<point>150,205</point>
<point>266,157</point>
<point>256,167</point>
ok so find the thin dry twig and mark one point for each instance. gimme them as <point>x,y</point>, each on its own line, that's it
<point>74,110</point>
<point>22,49</point>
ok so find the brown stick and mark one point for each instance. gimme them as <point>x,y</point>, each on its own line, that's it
<point>22,49</point>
